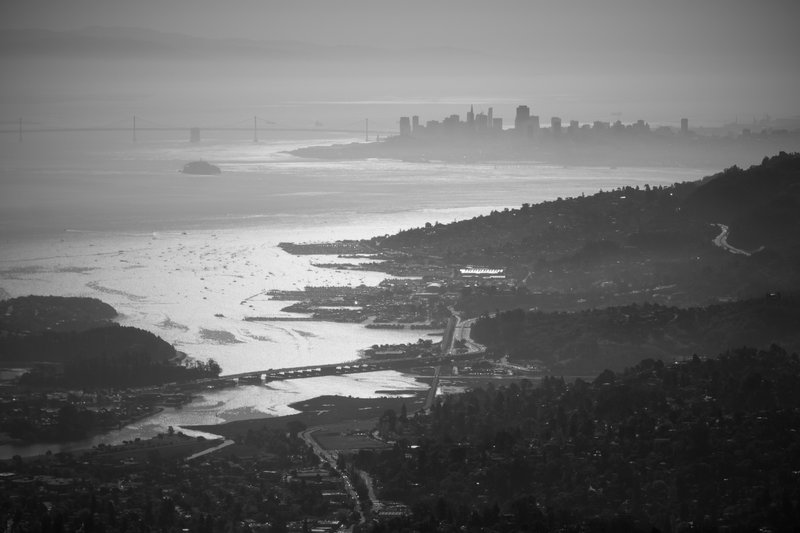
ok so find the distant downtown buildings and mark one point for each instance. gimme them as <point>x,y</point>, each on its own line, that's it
<point>525,125</point>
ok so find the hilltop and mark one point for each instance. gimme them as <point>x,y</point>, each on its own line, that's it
<point>761,204</point>
<point>73,342</point>
<point>663,216</point>
<point>53,313</point>
<point>732,235</point>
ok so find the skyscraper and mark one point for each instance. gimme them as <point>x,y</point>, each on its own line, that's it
<point>573,126</point>
<point>405,127</point>
<point>533,125</point>
<point>555,125</point>
<point>521,119</point>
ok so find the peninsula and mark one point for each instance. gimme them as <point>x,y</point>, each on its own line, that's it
<point>84,373</point>
<point>650,259</point>
<point>482,137</point>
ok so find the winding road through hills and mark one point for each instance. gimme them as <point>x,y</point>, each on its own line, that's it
<point>721,240</point>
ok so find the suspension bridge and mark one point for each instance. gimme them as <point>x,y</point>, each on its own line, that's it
<point>137,125</point>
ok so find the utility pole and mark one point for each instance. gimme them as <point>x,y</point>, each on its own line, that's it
<point>255,130</point>
<point>366,129</point>
<point>134,128</point>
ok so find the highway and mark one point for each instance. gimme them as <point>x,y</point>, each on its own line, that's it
<point>431,397</point>
<point>332,458</point>
<point>458,330</point>
<point>463,333</point>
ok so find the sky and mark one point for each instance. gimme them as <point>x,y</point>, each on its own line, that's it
<point>512,26</point>
<point>655,59</point>
<point>507,25</point>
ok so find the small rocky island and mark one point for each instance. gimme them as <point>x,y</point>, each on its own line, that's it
<point>201,167</point>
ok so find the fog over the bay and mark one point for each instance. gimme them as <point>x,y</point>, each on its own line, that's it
<point>88,60</point>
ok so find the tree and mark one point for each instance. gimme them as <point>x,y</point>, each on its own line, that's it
<point>294,427</point>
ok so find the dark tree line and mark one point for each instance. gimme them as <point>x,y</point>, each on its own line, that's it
<point>112,356</point>
<point>59,313</point>
<point>708,444</point>
<point>586,342</point>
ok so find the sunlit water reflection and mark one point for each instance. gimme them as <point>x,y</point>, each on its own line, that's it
<point>183,255</point>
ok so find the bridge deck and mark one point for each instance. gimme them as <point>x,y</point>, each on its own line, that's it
<point>353,367</point>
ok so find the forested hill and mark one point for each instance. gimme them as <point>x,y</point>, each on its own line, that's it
<point>73,342</point>
<point>649,217</point>
<point>109,342</point>
<point>734,235</point>
<point>32,314</point>
<point>558,228</point>
<point>761,204</point>
<point>110,356</point>
<point>707,445</point>
<point>587,342</point>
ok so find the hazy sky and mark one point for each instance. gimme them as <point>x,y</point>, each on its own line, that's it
<point>713,57</point>
<point>670,26</point>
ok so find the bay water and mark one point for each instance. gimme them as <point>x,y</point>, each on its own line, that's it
<point>189,257</point>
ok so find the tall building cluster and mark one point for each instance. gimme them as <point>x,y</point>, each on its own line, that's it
<point>475,123</point>
<point>525,125</point>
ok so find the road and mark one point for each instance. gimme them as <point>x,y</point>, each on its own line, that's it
<point>332,458</point>
<point>431,397</point>
<point>225,444</point>
<point>463,333</point>
<point>721,240</point>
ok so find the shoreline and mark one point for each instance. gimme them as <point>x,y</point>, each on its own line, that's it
<point>325,409</point>
<point>681,153</point>
<point>103,247</point>
<point>330,409</point>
